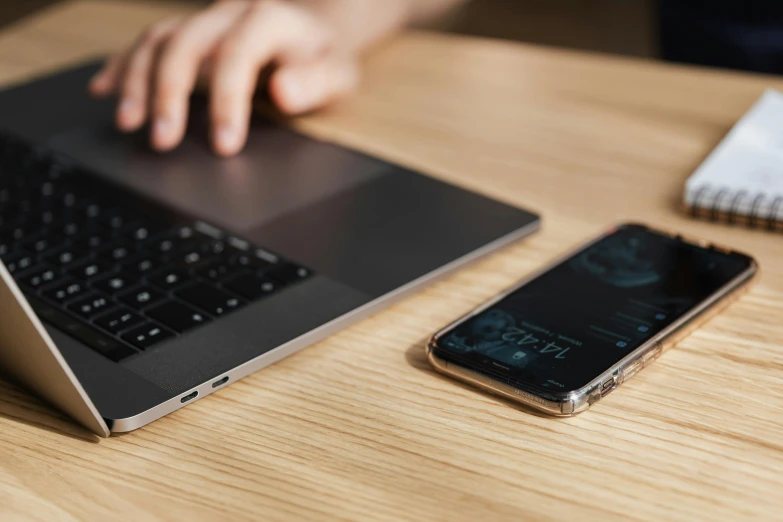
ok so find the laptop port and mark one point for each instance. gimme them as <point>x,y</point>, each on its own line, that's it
<point>220,382</point>
<point>189,397</point>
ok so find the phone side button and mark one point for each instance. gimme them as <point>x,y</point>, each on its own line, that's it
<point>653,354</point>
<point>632,369</point>
<point>567,407</point>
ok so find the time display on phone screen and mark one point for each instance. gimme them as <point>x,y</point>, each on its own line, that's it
<point>575,321</point>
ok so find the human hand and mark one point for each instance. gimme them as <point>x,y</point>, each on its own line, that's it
<point>228,45</point>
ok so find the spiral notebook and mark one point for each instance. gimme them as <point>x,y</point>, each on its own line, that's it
<point>742,179</point>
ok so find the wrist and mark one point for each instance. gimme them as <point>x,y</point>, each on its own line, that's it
<point>360,24</point>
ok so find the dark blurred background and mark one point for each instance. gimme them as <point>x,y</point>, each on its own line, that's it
<point>741,34</point>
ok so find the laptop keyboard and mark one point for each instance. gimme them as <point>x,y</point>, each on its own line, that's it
<point>113,269</point>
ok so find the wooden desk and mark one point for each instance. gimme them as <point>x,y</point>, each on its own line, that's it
<point>358,426</point>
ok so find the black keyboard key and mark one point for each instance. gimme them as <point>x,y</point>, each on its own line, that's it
<point>177,316</point>
<point>19,262</point>
<point>91,305</point>
<point>209,299</point>
<point>238,244</point>
<point>147,335</point>
<point>215,270</point>
<point>115,283</point>
<point>71,200</point>
<point>106,346</point>
<point>138,231</point>
<point>48,217</point>
<point>114,220</point>
<point>66,291</point>
<point>64,257</point>
<point>72,228</point>
<point>141,297</point>
<point>119,320</point>
<point>252,287</point>
<point>142,265</point>
<point>20,232</point>
<point>5,248</point>
<point>115,252</point>
<point>41,245</point>
<point>187,258</point>
<point>46,190</point>
<point>92,269</point>
<point>178,239</point>
<point>250,260</point>
<point>92,211</point>
<point>91,241</point>
<point>185,233</point>
<point>288,273</point>
<point>169,279</point>
<point>244,260</point>
<point>162,246</point>
<point>39,278</point>
<point>218,248</point>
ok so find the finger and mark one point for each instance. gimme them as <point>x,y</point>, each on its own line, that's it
<point>269,31</point>
<point>178,68</point>
<point>136,77</point>
<point>106,80</point>
<point>300,88</point>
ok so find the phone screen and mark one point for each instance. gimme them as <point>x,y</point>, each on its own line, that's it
<point>566,327</point>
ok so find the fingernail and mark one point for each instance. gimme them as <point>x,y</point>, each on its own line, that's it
<point>292,87</point>
<point>161,131</point>
<point>128,106</point>
<point>97,81</point>
<point>294,92</point>
<point>228,138</point>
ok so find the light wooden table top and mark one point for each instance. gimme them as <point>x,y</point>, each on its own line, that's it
<point>587,141</point>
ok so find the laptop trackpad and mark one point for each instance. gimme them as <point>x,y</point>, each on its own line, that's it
<point>279,171</point>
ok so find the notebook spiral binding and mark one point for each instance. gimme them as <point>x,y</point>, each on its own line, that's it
<point>708,204</point>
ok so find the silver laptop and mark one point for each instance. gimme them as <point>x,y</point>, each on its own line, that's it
<point>135,283</point>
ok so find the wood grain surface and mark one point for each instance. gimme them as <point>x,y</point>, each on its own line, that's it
<point>358,427</point>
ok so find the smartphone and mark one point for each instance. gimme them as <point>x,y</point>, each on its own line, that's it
<point>570,334</point>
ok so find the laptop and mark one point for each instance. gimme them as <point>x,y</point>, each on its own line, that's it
<point>135,283</point>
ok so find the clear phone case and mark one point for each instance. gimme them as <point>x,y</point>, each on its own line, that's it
<point>574,402</point>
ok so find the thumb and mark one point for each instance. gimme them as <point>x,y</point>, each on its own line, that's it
<point>302,87</point>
